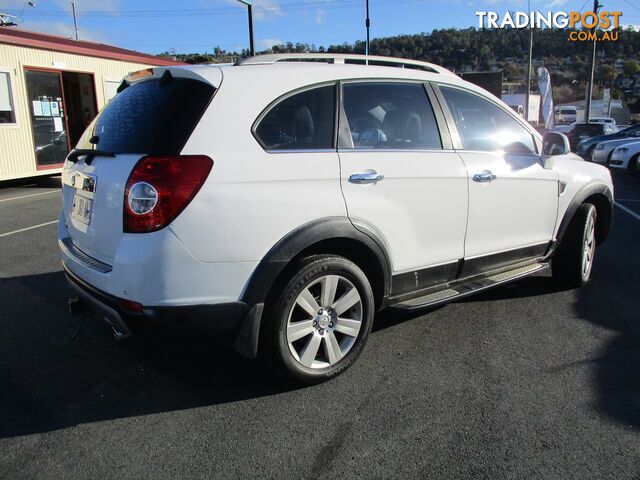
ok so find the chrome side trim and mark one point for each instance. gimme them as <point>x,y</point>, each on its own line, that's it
<point>319,150</point>
<point>68,247</point>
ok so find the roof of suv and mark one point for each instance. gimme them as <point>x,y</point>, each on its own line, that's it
<point>308,69</point>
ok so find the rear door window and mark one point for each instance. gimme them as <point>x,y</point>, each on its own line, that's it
<point>302,121</point>
<point>153,116</point>
<point>388,115</point>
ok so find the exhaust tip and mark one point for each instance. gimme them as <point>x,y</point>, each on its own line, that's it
<point>118,335</point>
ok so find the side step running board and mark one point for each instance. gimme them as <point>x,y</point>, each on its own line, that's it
<point>468,288</point>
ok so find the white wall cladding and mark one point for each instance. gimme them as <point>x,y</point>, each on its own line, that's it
<point>17,153</point>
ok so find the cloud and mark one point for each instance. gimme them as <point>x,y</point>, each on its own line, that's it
<point>65,29</point>
<point>65,5</point>
<point>263,10</point>
<point>266,10</point>
<point>555,4</point>
<point>101,5</point>
<point>515,2</point>
<point>267,43</point>
<point>61,24</point>
<point>321,16</point>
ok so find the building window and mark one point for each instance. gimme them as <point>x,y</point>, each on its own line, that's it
<point>7,110</point>
<point>110,89</point>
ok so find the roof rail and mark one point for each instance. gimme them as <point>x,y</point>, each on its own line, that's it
<point>268,59</point>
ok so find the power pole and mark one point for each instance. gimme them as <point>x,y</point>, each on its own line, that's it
<point>249,5</point>
<point>613,82</point>
<point>528,98</point>
<point>368,25</point>
<point>587,107</point>
<point>252,47</point>
<point>75,21</point>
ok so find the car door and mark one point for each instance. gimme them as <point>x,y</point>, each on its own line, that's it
<point>513,199</point>
<point>400,177</point>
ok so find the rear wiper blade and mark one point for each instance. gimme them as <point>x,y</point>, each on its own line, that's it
<point>90,155</point>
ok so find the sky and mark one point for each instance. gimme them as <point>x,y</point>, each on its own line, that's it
<point>191,26</point>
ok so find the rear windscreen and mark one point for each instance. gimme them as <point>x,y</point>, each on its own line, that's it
<point>153,117</point>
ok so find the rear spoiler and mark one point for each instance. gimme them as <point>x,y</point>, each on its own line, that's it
<point>90,155</point>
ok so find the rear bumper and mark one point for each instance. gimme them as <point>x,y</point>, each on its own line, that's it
<point>222,321</point>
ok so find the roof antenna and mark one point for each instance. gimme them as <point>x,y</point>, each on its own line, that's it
<point>368,25</point>
<point>75,20</point>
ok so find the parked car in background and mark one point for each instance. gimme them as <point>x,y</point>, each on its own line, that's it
<point>566,115</point>
<point>283,217</point>
<point>626,157</point>
<point>583,131</point>
<point>609,120</point>
<point>519,109</point>
<point>602,152</point>
<point>585,147</point>
<point>564,128</point>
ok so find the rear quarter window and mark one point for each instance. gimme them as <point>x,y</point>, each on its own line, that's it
<point>302,121</point>
<point>153,117</point>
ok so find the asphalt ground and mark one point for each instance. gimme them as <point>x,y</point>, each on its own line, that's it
<point>525,381</point>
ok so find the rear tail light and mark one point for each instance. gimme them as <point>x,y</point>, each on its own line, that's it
<point>159,188</point>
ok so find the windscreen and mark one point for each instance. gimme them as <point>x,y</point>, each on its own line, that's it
<point>154,117</point>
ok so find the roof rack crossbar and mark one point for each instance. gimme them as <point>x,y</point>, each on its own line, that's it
<point>341,58</point>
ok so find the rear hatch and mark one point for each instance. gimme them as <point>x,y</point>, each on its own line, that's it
<point>151,117</point>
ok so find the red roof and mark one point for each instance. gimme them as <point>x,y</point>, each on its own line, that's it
<point>24,38</point>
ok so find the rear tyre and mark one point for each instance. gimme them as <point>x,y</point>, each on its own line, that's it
<point>320,321</point>
<point>572,263</point>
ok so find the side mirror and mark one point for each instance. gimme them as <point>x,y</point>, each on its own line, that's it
<point>555,143</point>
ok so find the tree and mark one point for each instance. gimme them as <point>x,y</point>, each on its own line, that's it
<point>630,67</point>
<point>606,72</point>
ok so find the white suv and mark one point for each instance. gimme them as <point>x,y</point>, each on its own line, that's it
<point>282,201</point>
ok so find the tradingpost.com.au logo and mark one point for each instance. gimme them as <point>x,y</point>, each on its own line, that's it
<point>588,23</point>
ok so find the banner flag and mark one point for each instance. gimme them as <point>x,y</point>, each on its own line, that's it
<point>546,98</point>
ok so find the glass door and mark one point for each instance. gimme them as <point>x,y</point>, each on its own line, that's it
<point>46,106</point>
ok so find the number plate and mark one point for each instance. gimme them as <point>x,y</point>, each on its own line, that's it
<point>81,209</point>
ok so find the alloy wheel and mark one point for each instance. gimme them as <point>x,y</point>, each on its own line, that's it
<point>324,321</point>
<point>588,248</point>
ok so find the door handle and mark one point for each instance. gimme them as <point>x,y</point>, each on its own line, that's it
<point>370,176</point>
<point>484,176</point>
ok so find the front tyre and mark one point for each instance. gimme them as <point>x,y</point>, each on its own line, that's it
<point>572,264</point>
<point>320,321</point>
<point>632,167</point>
